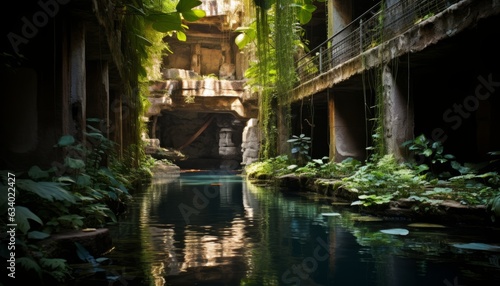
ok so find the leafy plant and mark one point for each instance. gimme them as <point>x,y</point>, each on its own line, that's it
<point>368,200</point>
<point>429,156</point>
<point>385,176</point>
<point>300,148</point>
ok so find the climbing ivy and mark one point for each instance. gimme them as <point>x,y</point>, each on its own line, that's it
<point>277,30</point>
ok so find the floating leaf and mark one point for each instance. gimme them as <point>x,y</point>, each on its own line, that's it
<point>477,246</point>
<point>330,214</point>
<point>395,231</point>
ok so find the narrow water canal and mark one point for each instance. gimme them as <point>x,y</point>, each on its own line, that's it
<point>209,228</point>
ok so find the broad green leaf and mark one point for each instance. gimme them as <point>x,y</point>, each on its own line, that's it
<point>37,235</point>
<point>309,7</point>
<point>84,180</point>
<point>48,190</point>
<point>167,22</point>
<point>185,5</point>
<point>74,163</point>
<point>65,140</point>
<point>53,263</point>
<point>135,10</point>
<point>29,264</point>
<point>23,214</point>
<point>36,173</point>
<point>181,36</point>
<point>242,40</point>
<point>427,152</point>
<point>193,15</point>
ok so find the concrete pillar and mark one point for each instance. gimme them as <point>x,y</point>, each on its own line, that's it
<point>398,113</point>
<point>350,129</point>
<point>341,16</point>
<point>77,79</point>
<point>340,13</point>
<point>98,94</point>
<point>331,128</point>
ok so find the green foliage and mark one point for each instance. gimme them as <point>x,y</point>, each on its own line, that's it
<point>338,170</point>
<point>267,169</point>
<point>384,176</point>
<point>247,35</point>
<point>300,148</point>
<point>368,200</point>
<point>278,33</point>
<point>430,156</point>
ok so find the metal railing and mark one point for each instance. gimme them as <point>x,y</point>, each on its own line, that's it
<point>372,28</point>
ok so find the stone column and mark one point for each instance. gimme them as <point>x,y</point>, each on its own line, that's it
<point>229,151</point>
<point>98,94</point>
<point>250,142</point>
<point>398,113</point>
<point>350,129</point>
<point>77,79</point>
<point>340,13</point>
<point>196,58</point>
<point>331,128</point>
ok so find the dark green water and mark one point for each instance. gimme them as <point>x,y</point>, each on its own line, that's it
<point>217,229</point>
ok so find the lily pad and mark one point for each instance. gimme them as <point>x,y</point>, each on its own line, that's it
<point>426,225</point>
<point>330,214</point>
<point>477,246</point>
<point>395,231</point>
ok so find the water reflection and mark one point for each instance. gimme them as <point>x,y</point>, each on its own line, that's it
<point>216,229</point>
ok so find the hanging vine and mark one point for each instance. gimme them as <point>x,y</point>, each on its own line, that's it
<point>277,32</point>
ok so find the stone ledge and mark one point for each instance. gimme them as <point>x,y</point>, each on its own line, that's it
<point>446,212</point>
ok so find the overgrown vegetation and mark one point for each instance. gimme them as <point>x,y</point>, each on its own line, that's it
<point>277,35</point>
<point>430,179</point>
<point>88,189</point>
<point>92,184</point>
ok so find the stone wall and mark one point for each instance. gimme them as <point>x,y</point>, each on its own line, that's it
<point>250,142</point>
<point>218,146</point>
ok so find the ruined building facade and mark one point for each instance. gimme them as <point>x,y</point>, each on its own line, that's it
<point>399,69</point>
